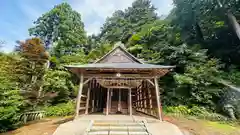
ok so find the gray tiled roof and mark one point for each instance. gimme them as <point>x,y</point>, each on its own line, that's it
<point>120,66</point>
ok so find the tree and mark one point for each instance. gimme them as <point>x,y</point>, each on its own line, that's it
<point>58,81</point>
<point>10,99</point>
<point>123,24</point>
<point>61,27</point>
<point>227,6</point>
<point>195,78</point>
<point>206,23</point>
<point>30,69</point>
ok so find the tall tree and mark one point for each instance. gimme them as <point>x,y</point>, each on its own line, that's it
<point>10,99</point>
<point>194,80</point>
<point>123,24</point>
<point>61,27</point>
<point>30,70</point>
<point>210,24</point>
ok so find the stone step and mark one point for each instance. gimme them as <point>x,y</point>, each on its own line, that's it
<point>118,124</point>
<point>118,128</point>
<point>116,133</point>
<point>117,121</point>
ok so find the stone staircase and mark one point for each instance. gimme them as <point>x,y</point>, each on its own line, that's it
<point>117,128</point>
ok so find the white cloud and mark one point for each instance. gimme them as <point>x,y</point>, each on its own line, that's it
<point>100,9</point>
<point>164,6</point>
<point>95,11</point>
<point>93,28</point>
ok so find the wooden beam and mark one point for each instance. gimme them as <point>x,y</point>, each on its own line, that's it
<point>88,80</point>
<point>107,104</point>
<point>150,82</point>
<point>130,101</point>
<point>123,76</point>
<point>159,110</point>
<point>117,87</point>
<point>87,102</point>
<point>79,96</point>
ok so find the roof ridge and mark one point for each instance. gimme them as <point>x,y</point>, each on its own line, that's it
<point>121,46</point>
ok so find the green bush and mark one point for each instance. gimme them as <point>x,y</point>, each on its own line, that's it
<point>181,110</point>
<point>11,101</point>
<point>58,81</point>
<point>199,112</point>
<point>63,109</point>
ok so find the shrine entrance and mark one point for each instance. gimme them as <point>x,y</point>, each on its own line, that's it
<point>118,101</point>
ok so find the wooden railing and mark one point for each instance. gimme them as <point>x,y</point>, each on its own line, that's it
<point>30,116</point>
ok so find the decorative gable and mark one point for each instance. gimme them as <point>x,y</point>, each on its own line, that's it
<point>118,55</point>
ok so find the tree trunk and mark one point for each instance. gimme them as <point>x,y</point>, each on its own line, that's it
<point>234,24</point>
<point>199,32</point>
<point>232,20</point>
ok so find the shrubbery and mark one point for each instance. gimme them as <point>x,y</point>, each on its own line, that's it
<point>199,112</point>
<point>10,99</point>
<point>63,109</point>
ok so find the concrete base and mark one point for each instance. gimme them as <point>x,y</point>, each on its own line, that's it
<point>79,125</point>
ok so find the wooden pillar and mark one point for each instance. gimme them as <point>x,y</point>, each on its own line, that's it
<point>150,100</point>
<point>145,100</point>
<point>100,99</point>
<point>119,100</point>
<point>107,104</point>
<point>93,100</point>
<point>87,101</point>
<point>140,99</point>
<point>159,110</point>
<point>130,101</point>
<point>97,100</point>
<point>110,100</point>
<point>79,96</point>
<point>137,102</point>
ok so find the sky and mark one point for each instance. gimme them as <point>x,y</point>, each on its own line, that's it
<point>17,16</point>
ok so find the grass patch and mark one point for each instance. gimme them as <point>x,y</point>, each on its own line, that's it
<point>221,126</point>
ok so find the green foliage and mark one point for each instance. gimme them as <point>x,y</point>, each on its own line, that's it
<point>10,99</point>
<point>200,80</point>
<point>199,112</point>
<point>63,27</point>
<point>211,24</point>
<point>99,51</point>
<point>195,78</point>
<point>233,75</point>
<point>63,109</point>
<point>193,37</point>
<point>123,24</point>
<point>58,82</point>
<point>29,71</point>
<point>77,58</point>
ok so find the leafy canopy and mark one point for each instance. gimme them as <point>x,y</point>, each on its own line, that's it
<point>62,28</point>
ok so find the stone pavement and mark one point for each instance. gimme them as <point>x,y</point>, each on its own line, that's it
<point>80,125</point>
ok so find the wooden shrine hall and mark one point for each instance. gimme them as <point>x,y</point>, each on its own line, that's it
<point>119,83</point>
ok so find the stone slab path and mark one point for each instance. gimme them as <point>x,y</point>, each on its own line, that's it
<point>81,124</point>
